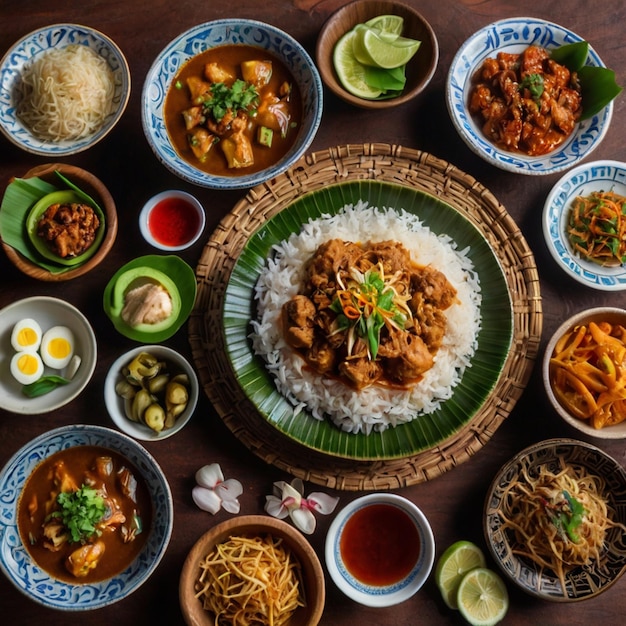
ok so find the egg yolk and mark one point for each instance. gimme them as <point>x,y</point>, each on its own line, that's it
<point>27,337</point>
<point>27,364</point>
<point>59,348</point>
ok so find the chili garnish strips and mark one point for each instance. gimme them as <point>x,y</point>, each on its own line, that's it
<point>596,227</point>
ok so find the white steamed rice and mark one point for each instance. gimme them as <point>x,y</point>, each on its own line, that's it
<point>373,408</point>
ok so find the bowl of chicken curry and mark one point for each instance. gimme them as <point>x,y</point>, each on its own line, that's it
<point>86,517</point>
<point>231,103</point>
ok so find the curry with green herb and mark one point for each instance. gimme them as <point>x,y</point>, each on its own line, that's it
<point>84,514</point>
<point>233,110</point>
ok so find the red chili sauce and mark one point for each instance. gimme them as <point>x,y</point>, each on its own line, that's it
<point>379,544</point>
<point>173,222</point>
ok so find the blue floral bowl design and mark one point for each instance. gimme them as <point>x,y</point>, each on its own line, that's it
<point>218,33</point>
<point>388,594</point>
<point>17,564</point>
<point>581,181</point>
<point>513,36</point>
<point>39,42</point>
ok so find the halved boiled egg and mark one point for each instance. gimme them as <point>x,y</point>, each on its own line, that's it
<point>26,367</point>
<point>57,347</point>
<point>26,335</point>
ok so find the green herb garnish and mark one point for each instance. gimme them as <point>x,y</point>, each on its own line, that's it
<point>80,512</point>
<point>43,385</point>
<point>534,84</point>
<point>365,303</point>
<point>240,96</point>
<point>567,517</point>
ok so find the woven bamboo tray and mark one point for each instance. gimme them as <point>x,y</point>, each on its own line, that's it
<point>393,164</point>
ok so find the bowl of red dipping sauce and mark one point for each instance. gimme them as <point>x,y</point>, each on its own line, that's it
<point>380,549</point>
<point>172,220</point>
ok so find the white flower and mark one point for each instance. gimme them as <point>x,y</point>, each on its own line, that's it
<point>288,500</point>
<point>212,492</point>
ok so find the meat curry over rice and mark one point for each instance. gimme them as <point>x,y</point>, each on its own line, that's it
<point>367,314</point>
<point>526,102</point>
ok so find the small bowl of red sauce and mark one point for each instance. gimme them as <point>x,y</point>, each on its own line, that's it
<point>380,549</point>
<point>172,220</point>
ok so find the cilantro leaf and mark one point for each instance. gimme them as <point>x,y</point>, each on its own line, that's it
<point>240,96</point>
<point>80,512</point>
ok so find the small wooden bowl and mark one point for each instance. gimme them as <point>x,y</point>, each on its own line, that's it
<point>96,189</point>
<point>420,68</point>
<point>254,525</point>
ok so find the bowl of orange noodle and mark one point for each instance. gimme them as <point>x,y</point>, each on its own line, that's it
<point>555,519</point>
<point>62,89</point>
<point>584,226</point>
<point>252,569</point>
<point>584,372</point>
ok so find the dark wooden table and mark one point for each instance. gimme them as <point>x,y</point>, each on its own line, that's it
<point>453,502</point>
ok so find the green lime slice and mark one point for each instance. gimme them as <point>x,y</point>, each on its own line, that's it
<point>482,597</point>
<point>389,24</point>
<point>370,49</point>
<point>457,560</point>
<point>350,72</point>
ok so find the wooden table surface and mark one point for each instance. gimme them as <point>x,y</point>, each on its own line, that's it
<point>123,161</point>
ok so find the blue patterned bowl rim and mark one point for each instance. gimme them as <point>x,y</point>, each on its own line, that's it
<point>388,595</point>
<point>514,35</point>
<point>223,32</point>
<point>16,563</point>
<point>38,42</point>
<point>603,175</point>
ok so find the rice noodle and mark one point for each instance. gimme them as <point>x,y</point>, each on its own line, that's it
<point>66,93</point>
<point>373,408</point>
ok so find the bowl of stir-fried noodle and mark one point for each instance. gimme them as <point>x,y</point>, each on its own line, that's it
<point>252,569</point>
<point>584,372</point>
<point>484,99</point>
<point>584,224</point>
<point>554,520</point>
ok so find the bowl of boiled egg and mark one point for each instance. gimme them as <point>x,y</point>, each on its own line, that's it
<point>47,354</point>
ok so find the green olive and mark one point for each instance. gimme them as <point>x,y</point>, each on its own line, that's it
<point>141,402</point>
<point>175,393</point>
<point>154,417</point>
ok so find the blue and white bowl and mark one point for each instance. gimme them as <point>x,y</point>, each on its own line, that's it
<point>581,181</point>
<point>218,33</point>
<point>513,36</point>
<point>15,561</point>
<point>36,43</point>
<point>380,595</point>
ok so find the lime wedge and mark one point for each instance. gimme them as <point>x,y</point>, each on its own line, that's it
<point>371,49</point>
<point>482,597</point>
<point>458,559</point>
<point>390,24</point>
<point>350,72</point>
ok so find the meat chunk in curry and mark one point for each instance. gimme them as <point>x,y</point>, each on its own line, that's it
<point>367,314</point>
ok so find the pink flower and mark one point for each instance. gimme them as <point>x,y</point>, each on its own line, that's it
<point>288,500</point>
<point>212,492</point>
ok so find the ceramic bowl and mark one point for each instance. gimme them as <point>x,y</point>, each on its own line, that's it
<point>581,181</point>
<point>254,526</point>
<point>514,35</point>
<point>217,33</point>
<point>172,220</point>
<point>47,312</point>
<point>39,42</point>
<point>115,403</point>
<point>582,582</point>
<point>21,252</point>
<point>420,69</point>
<point>369,583</point>
<point>612,315</point>
<point>26,575</point>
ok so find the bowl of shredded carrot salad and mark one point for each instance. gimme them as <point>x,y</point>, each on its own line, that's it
<point>584,224</point>
<point>584,372</point>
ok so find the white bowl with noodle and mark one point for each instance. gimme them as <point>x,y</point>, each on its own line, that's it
<point>103,79</point>
<point>591,477</point>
